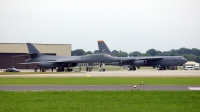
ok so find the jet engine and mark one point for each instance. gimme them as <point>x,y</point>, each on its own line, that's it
<point>121,62</point>
<point>47,64</point>
<point>71,64</point>
<point>140,62</point>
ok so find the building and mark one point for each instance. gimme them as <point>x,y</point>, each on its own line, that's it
<point>191,63</point>
<point>7,50</point>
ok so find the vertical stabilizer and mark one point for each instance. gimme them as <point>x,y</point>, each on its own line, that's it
<point>103,47</point>
<point>32,49</point>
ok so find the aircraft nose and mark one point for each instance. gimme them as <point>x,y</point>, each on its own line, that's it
<point>185,60</point>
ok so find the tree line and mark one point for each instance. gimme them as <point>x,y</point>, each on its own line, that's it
<point>190,54</point>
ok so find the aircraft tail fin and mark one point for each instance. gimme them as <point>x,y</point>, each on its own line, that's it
<point>32,49</point>
<point>33,52</point>
<point>103,47</point>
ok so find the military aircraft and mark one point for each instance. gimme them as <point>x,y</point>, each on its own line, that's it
<point>161,62</point>
<point>64,61</point>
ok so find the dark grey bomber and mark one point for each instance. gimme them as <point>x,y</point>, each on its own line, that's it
<point>161,62</point>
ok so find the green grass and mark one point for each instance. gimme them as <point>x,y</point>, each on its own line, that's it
<point>101,81</point>
<point>100,101</point>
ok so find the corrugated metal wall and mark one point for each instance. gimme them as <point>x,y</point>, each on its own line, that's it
<point>7,61</point>
<point>7,50</point>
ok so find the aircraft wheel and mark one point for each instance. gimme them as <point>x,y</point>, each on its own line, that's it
<point>130,69</point>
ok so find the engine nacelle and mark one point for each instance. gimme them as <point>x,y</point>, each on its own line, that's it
<point>47,64</point>
<point>71,65</point>
<point>121,62</point>
<point>140,62</point>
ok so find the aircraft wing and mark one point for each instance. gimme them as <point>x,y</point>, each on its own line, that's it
<point>150,58</point>
<point>141,58</point>
<point>32,62</point>
<point>38,62</point>
<point>71,60</point>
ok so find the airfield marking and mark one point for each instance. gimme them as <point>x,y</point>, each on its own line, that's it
<point>194,88</point>
<point>88,75</point>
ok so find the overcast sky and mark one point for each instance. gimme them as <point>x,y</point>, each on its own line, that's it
<point>127,25</point>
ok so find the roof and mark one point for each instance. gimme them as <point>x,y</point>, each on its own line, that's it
<point>191,63</point>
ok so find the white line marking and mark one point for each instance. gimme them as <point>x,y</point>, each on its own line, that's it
<point>194,88</point>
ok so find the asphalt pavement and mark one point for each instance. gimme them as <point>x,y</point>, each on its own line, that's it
<point>94,88</point>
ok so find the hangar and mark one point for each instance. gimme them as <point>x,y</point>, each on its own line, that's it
<point>7,50</point>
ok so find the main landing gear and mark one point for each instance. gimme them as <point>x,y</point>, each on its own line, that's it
<point>161,68</point>
<point>88,69</point>
<point>131,68</point>
<point>62,69</point>
<point>102,69</point>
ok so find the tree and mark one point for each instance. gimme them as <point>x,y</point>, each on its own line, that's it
<point>88,52</point>
<point>159,53</point>
<point>183,51</point>
<point>173,52</point>
<point>166,53</point>
<point>123,54</point>
<point>189,57</point>
<point>135,54</point>
<point>195,51</point>
<point>96,51</point>
<point>145,54</point>
<point>197,59</point>
<point>78,52</point>
<point>115,53</point>
<point>152,52</point>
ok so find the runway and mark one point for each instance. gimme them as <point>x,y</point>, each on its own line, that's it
<point>138,73</point>
<point>94,88</point>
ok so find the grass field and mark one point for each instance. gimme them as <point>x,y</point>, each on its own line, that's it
<point>101,81</point>
<point>100,101</point>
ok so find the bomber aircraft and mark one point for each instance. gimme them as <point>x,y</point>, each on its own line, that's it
<point>161,62</point>
<point>51,61</point>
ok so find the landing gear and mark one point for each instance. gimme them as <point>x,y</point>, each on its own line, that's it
<point>88,69</point>
<point>131,68</point>
<point>62,69</point>
<point>161,68</point>
<point>69,70</point>
<point>102,69</point>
